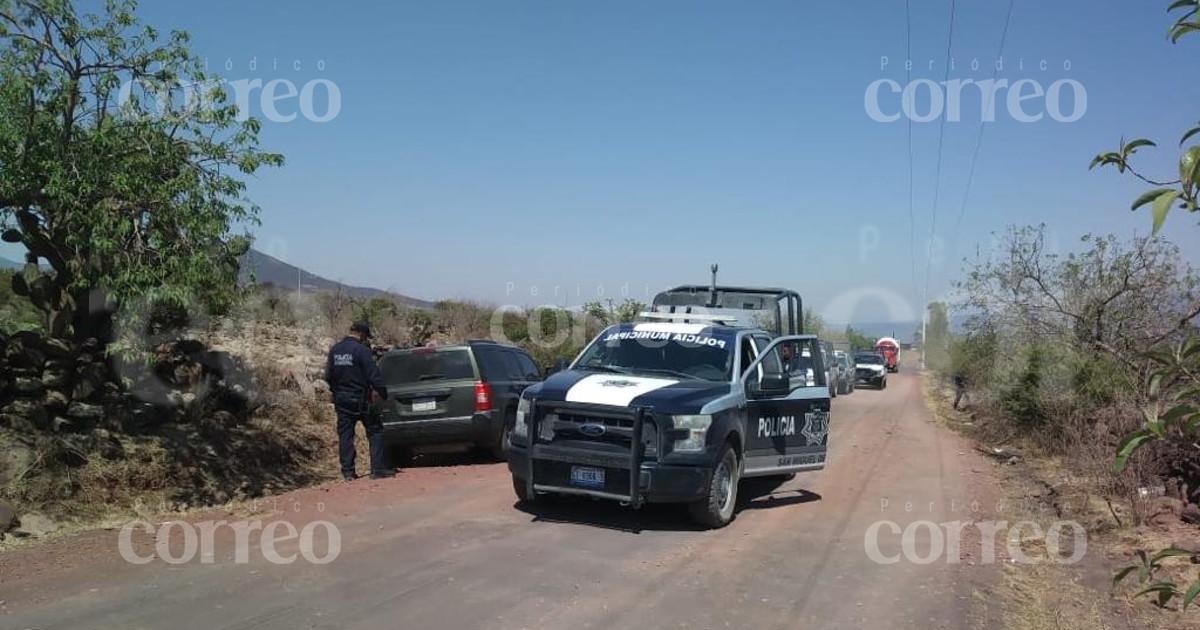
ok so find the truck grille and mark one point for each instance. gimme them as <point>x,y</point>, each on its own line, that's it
<point>559,427</point>
<point>567,435</point>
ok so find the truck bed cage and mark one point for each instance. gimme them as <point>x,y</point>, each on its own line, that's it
<point>784,305</point>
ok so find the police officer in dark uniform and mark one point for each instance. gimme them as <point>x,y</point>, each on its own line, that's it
<point>356,381</point>
<point>960,387</point>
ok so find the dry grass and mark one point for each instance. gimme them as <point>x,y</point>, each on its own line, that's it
<point>1049,597</point>
<point>1044,488</point>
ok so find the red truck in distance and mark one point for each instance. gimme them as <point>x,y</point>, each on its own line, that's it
<point>890,350</point>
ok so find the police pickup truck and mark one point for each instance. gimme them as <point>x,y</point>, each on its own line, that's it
<point>668,411</point>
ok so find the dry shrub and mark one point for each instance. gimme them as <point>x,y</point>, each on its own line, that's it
<point>461,320</point>
<point>95,487</point>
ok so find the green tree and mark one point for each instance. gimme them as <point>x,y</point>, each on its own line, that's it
<point>813,324</point>
<point>937,336</point>
<point>859,341</point>
<point>374,309</point>
<point>1174,385</point>
<point>127,204</point>
<point>627,310</point>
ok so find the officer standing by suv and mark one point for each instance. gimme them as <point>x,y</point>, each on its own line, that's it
<point>355,381</point>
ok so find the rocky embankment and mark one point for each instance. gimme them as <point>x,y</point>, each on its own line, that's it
<point>81,434</point>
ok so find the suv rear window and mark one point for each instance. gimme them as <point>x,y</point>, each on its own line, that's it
<point>427,365</point>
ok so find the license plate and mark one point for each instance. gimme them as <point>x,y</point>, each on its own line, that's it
<point>587,477</point>
<point>424,405</point>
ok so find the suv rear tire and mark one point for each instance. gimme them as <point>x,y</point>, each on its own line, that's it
<point>716,509</point>
<point>398,456</point>
<point>499,449</point>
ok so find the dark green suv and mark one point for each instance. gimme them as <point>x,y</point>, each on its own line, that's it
<point>454,395</point>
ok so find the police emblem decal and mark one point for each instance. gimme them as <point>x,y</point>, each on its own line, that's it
<point>816,427</point>
<point>617,383</point>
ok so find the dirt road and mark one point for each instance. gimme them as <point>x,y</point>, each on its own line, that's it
<point>446,547</point>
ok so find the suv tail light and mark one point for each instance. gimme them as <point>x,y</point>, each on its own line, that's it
<point>483,396</point>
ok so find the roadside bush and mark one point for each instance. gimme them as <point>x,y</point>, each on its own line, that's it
<point>460,320</point>
<point>1021,400</point>
<point>268,303</point>
<point>974,356</point>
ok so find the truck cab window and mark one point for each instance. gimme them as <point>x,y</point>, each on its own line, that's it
<point>749,353</point>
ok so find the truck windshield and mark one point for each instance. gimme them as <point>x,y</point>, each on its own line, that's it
<point>874,359</point>
<point>677,355</point>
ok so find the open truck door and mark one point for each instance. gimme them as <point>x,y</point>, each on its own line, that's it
<point>787,413</point>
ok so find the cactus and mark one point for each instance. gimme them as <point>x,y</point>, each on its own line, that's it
<point>18,285</point>
<point>45,294</point>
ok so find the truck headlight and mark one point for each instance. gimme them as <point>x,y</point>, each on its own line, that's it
<point>521,427</point>
<point>697,428</point>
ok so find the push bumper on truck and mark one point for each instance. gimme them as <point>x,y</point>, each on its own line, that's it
<point>558,456</point>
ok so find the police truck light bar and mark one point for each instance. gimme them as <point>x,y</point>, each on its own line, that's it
<point>716,319</point>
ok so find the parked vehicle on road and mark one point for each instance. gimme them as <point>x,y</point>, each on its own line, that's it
<point>846,372</point>
<point>668,411</point>
<point>833,373</point>
<point>454,395</point>
<point>889,349</point>
<point>871,369</point>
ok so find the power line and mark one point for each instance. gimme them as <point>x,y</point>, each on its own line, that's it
<point>912,220</point>
<point>937,181</point>
<point>937,185</point>
<point>982,122</point>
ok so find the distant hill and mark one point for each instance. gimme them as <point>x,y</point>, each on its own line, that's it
<point>268,269</point>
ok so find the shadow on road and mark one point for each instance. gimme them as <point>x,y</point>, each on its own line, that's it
<point>753,494</point>
<point>609,514</point>
<point>768,493</point>
<point>445,458</point>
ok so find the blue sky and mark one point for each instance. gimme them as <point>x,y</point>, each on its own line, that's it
<point>485,149</point>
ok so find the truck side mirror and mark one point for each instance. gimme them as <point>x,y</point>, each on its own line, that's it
<point>769,386</point>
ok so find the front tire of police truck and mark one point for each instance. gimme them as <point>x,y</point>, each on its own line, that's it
<point>521,490</point>
<point>715,510</point>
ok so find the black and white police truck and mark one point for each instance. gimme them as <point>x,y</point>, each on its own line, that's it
<point>678,407</point>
